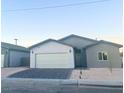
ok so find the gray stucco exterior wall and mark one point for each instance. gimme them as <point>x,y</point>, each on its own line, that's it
<point>113,61</point>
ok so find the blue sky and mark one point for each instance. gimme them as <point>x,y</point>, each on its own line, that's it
<point>99,20</point>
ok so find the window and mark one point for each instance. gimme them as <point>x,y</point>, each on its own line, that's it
<point>102,56</point>
<point>105,56</point>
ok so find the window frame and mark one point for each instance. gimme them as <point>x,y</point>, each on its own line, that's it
<point>103,52</point>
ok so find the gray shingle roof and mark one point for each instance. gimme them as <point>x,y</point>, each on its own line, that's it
<point>14,47</point>
<point>72,35</point>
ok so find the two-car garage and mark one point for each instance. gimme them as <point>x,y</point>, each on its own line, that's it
<point>51,54</point>
<point>48,60</point>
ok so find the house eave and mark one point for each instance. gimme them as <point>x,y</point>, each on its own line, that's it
<point>105,42</point>
<point>43,42</point>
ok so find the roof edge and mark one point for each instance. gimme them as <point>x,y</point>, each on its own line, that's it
<point>40,43</point>
<point>103,41</point>
<point>14,47</point>
<point>12,44</point>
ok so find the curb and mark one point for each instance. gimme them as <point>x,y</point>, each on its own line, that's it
<point>59,82</point>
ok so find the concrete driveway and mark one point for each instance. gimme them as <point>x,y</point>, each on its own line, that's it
<point>5,72</point>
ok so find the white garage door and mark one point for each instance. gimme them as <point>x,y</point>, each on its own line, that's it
<point>2,60</point>
<point>52,60</point>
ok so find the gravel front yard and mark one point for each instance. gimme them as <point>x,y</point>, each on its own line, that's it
<point>44,73</point>
<point>92,73</point>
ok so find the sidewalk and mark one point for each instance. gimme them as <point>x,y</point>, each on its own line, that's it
<point>98,74</point>
<point>21,85</point>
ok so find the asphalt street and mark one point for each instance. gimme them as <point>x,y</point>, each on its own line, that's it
<point>64,89</point>
<point>21,81</point>
<point>38,87</point>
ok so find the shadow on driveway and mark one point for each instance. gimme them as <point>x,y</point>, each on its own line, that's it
<point>43,73</point>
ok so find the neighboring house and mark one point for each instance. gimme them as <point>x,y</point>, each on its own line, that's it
<point>75,52</point>
<point>13,55</point>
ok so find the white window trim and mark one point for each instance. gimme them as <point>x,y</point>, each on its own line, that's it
<point>102,56</point>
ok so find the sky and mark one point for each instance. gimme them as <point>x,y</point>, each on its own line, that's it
<point>102,20</point>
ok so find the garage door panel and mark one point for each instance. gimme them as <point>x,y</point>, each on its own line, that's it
<point>52,60</point>
<point>51,66</point>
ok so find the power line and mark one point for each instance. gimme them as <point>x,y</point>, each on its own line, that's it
<point>59,6</point>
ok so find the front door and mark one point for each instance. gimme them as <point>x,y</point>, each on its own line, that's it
<point>84,61</point>
<point>78,58</point>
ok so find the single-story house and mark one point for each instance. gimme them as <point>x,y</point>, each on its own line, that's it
<point>14,55</point>
<point>75,52</point>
